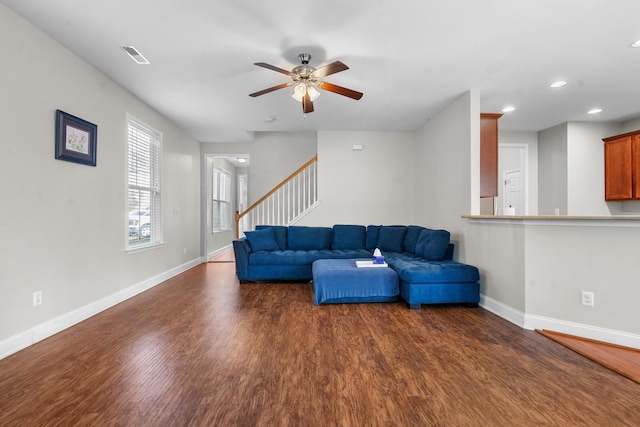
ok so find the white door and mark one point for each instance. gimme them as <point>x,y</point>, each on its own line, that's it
<point>513,191</point>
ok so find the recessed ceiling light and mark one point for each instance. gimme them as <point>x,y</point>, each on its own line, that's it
<point>594,111</point>
<point>135,55</point>
<point>559,83</point>
<point>635,43</point>
<point>269,119</point>
<point>508,109</point>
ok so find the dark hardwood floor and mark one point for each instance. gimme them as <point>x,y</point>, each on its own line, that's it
<point>202,350</point>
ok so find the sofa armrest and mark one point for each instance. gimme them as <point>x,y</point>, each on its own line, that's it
<point>241,251</point>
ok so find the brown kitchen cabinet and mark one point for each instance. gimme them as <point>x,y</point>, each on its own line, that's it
<point>489,154</point>
<point>622,166</point>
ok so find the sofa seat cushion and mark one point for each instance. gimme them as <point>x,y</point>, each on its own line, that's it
<point>291,257</point>
<point>339,254</point>
<point>416,270</point>
<point>286,257</point>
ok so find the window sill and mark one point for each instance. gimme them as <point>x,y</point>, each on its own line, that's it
<point>143,248</point>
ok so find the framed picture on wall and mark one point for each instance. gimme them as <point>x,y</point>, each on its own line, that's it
<point>76,139</point>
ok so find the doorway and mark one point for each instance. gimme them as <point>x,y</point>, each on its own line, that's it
<point>513,171</point>
<point>218,240</point>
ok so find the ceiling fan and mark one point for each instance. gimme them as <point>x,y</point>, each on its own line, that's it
<point>306,81</point>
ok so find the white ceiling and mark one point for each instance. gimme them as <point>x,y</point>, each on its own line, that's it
<point>410,58</point>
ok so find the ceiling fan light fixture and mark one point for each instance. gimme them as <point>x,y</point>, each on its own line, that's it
<point>313,92</point>
<point>302,88</point>
<point>298,91</point>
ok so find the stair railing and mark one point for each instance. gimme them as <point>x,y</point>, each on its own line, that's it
<point>285,203</point>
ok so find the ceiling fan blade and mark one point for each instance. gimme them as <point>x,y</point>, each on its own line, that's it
<point>274,68</point>
<point>307,104</point>
<point>327,70</point>
<point>340,90</point>
<point>271,89</point>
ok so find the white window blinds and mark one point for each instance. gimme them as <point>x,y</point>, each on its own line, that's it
<point>144,195</point>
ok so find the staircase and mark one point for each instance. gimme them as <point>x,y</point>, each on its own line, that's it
<point>289,201</point>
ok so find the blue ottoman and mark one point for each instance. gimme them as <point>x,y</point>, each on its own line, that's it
<point>340,281</point>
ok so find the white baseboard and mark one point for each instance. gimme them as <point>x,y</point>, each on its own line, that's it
<point>532,322</point>
<point>581,330</point>
<point>38,333</point>
<point>219,251</point>
<point>508,313</point>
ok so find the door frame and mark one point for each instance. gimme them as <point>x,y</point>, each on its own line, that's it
<point>207,160</point>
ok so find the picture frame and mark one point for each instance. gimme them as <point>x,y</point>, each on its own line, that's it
<point>76,139</point>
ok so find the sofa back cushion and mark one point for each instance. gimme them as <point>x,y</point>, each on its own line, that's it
<point>391,238</point>
<point>373,231</point>
<point>262,240</point>
<point>349,236</point>
<point>309,238</point>
<point>280,233</point>
<point>432,244</point>
<point>411,238</point>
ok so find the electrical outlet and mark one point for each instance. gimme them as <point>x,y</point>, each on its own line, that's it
<point>184,251</point>
<point>587,298</point>
<point>37,298</point>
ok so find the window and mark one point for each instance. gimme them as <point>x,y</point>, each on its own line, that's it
<point>221,200</point>
<point>144,205</point>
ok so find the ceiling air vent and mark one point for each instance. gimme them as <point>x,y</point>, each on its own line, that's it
<point>135,55</point>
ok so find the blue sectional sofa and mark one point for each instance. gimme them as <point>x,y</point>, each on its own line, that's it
<point>421,257</point>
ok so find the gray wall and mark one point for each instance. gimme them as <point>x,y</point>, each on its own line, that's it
<point>585,167</point>
<point>446,163</point>
<point>372,186</point>
<point>552,170</point>
<point>64,225</point>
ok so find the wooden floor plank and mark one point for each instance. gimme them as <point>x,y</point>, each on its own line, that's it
<point>203,350</point>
